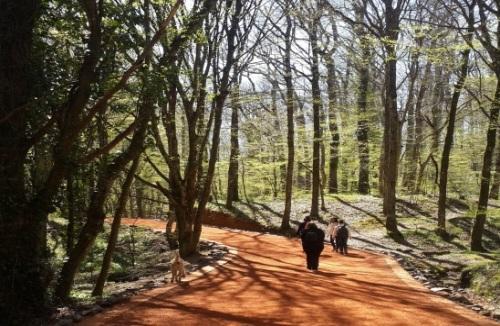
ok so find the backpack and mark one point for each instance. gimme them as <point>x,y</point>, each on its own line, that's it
<point>342,232</point>
<point>311,237</point>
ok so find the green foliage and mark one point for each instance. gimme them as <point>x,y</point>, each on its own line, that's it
<point>140,251</point>
<point>485,279</point>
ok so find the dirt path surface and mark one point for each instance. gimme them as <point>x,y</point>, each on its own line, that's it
<point>266,283</point>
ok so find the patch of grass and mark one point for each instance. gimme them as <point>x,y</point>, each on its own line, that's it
<point>300,194</point>
<point>491,237</point>
<point>417,222</point>
<point>494,218</point>
<point>366,224</point>
<point>493,213</point>
<point>348,197</point>
<point>485,279</point>
<point>466,257</point>
<point>82,295</point>
<point>424,237</point>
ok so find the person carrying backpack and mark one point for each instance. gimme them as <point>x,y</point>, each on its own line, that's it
<point>341,236</point>
<point>312,243</point>
<point>334,222</point>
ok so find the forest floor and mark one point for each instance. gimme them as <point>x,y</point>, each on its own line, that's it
<point>266,283</point>
<point>445,266</point>
<point>141,262</point>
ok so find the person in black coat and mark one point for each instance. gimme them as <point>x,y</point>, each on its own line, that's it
<point>342,234</point>
<point>313,243</point>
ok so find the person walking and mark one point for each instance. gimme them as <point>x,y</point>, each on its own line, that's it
<point>341,235</point>
<point>312,244</point>
<point>330,230</point>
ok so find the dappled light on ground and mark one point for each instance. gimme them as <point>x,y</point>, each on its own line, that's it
<point>266,283</point>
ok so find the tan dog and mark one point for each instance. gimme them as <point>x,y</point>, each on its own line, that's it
<point>177,267</point>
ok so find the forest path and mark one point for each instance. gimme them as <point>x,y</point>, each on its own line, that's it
<point>266,283</point>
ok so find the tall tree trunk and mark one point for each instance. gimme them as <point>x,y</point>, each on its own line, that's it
<point>139,196</point>
<point>439,100</point>
<point>316,97</point>
<point>448,141</point>
<point>333,126</point>
<point>409,148</point>
<point>440,82</point>
<point>303,172</point>
<point>322,156</point>
<point>23,228</point>
<point>186,191</point>
<point>277,152</point>
<point>70,229</point>
<point>115,229</point>
<point>362,102</point>
<point>183,193</point>
<point>415,163</point>
<point>381,167</point>
<point>285,222</point>
<point>132,212</point>
<point>280,147</point>
<point>232,174</point>
<point>496,176</point>
<point>391,121</point>
<point>409,172</point>
<point>482,206</point>
<point>184,136</point>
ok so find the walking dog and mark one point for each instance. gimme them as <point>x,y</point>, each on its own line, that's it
<point>177,267</point>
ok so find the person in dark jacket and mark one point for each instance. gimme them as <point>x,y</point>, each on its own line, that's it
<point>302,226</point>
<point>342,234</point>
<point>312,243</point>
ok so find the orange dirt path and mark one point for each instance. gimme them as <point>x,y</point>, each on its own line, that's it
<point>266,283</point>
